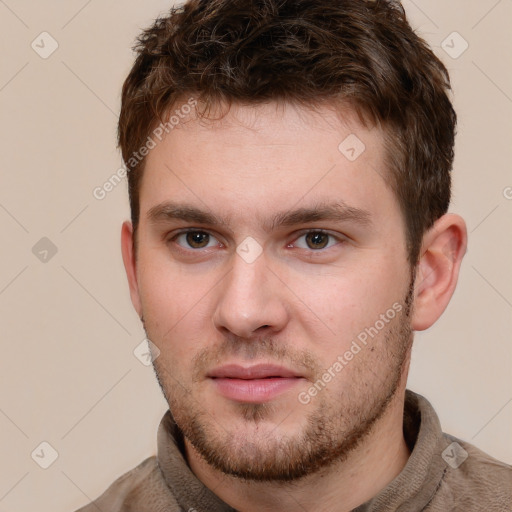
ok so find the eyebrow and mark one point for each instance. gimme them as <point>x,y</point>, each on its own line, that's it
<point>337,212</point>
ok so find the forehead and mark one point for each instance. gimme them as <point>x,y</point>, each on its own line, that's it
<point>281,121</point>
<point>258,159</point>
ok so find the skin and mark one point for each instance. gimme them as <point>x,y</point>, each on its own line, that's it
<point>297,304</point>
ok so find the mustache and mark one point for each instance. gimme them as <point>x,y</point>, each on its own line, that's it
<point>266,349</point>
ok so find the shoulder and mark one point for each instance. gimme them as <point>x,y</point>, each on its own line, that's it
<point>457,476</point>
<point>473,480</point>
<point>140,489</point>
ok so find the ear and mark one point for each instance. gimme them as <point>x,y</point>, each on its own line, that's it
<point>129,261</point>
<point>442,250</point>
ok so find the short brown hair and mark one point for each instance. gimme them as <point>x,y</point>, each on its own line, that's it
<point>360,53</point>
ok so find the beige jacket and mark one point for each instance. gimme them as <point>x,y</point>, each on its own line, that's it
<point>443,474</point>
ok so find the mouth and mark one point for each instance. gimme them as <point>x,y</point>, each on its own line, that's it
<point>253,384</point>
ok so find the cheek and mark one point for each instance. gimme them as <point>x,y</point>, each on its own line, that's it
<point>343,304</point>
<point>175,308</point>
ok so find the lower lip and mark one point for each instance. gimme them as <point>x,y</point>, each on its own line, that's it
<point>254,390</point>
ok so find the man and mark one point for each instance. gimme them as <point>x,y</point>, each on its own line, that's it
<point>289,177</point>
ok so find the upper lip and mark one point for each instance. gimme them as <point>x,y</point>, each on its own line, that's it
<point>258,371</point>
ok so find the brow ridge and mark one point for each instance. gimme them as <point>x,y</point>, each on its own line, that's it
<point>338,212</point>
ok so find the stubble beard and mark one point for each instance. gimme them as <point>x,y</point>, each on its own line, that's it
<point>334,428</point>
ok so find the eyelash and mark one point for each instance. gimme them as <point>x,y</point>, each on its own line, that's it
<point>339,239</point>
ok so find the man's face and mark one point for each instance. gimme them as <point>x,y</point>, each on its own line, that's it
<point>272,276</point>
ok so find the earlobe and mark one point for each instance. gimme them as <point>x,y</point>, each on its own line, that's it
<point>443,248</point>
<point>130,267</point>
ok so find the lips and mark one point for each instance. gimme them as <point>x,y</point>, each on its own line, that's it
<point>253,384</point>
<point>259,371</point>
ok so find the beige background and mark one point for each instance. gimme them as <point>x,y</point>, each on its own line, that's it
<point>68,373</point>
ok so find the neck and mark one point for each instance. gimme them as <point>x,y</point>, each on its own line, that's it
<point>339,488</point>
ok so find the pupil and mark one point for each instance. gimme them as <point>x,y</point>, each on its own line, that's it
<point>318,240</point>
<point>197,239</point>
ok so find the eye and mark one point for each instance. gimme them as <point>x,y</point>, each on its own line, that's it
<point>315,240</point>
<point>195,240</point>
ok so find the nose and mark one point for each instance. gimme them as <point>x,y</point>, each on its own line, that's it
<point>251,300</point>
